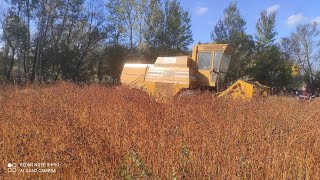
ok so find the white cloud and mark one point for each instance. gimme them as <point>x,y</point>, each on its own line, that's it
<point>317,20</point>
<point>273,8</point>
<point>295,19</point>
<point>201,10</point>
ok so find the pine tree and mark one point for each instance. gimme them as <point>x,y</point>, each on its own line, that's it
<point>266,29</point>
<point>231,29</point>
<point>270,66</point>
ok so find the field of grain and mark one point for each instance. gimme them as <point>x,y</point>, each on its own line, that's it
<point>104,132</point>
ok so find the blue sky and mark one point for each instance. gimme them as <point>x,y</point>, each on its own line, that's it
<point>206,13</point>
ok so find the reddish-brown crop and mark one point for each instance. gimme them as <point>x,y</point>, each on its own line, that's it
<point>121,133</point>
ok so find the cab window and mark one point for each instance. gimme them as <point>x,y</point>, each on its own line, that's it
<point>225,63</point>
<point>204,60</point>
<point>217,60</point>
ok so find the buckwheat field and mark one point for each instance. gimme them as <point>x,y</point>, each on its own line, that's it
<point>100,132</point>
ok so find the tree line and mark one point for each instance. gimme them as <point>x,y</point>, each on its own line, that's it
<point>291,61</point>
<point>85,41</point>
<point>89,41</point>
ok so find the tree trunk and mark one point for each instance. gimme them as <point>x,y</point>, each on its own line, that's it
<point>6,59</point>
<point>34,64</point>
<point>28,42</point>
<point>18,45</point>
<point>100,71</point>
<point>131,37</point>
<point>10,65</point>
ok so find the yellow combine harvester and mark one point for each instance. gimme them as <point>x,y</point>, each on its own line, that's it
<point>206,69</point>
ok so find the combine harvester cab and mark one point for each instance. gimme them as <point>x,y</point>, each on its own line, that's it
<point>206,69</point>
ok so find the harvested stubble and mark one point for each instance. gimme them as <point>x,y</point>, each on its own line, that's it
<point>121,133</point>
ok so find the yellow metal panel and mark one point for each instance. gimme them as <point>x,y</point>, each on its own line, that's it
<point>194,56</point>
<point>212,47</point>
<point>245,90</point>
<point>203,78</point>
<point>168,75</point>
<point>215,47</point>
<point>134,74</point>
<point>178,61</point>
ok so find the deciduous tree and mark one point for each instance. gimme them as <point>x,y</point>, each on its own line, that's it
<point>305,43</point>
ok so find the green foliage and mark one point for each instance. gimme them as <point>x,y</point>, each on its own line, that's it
<point>271,69</point>
<point>147,29</point>
<point>262,61</point>
<point>82,40</point>
<point>168,28</point>
<point>266,29</point>
<point>230,26</point>
<point>128,19</point>
<point>317,83</point>
<point>133,167</point>
<point>285,48</point>
<point>114,60</point>
<point>14,30</point>
<point>2,66</point>
<point>231,29</point>
<point>154,33</point>
<point>14,35</point>
<point>271,66</point>
<point>181,171</point>
<point>177,30</point>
